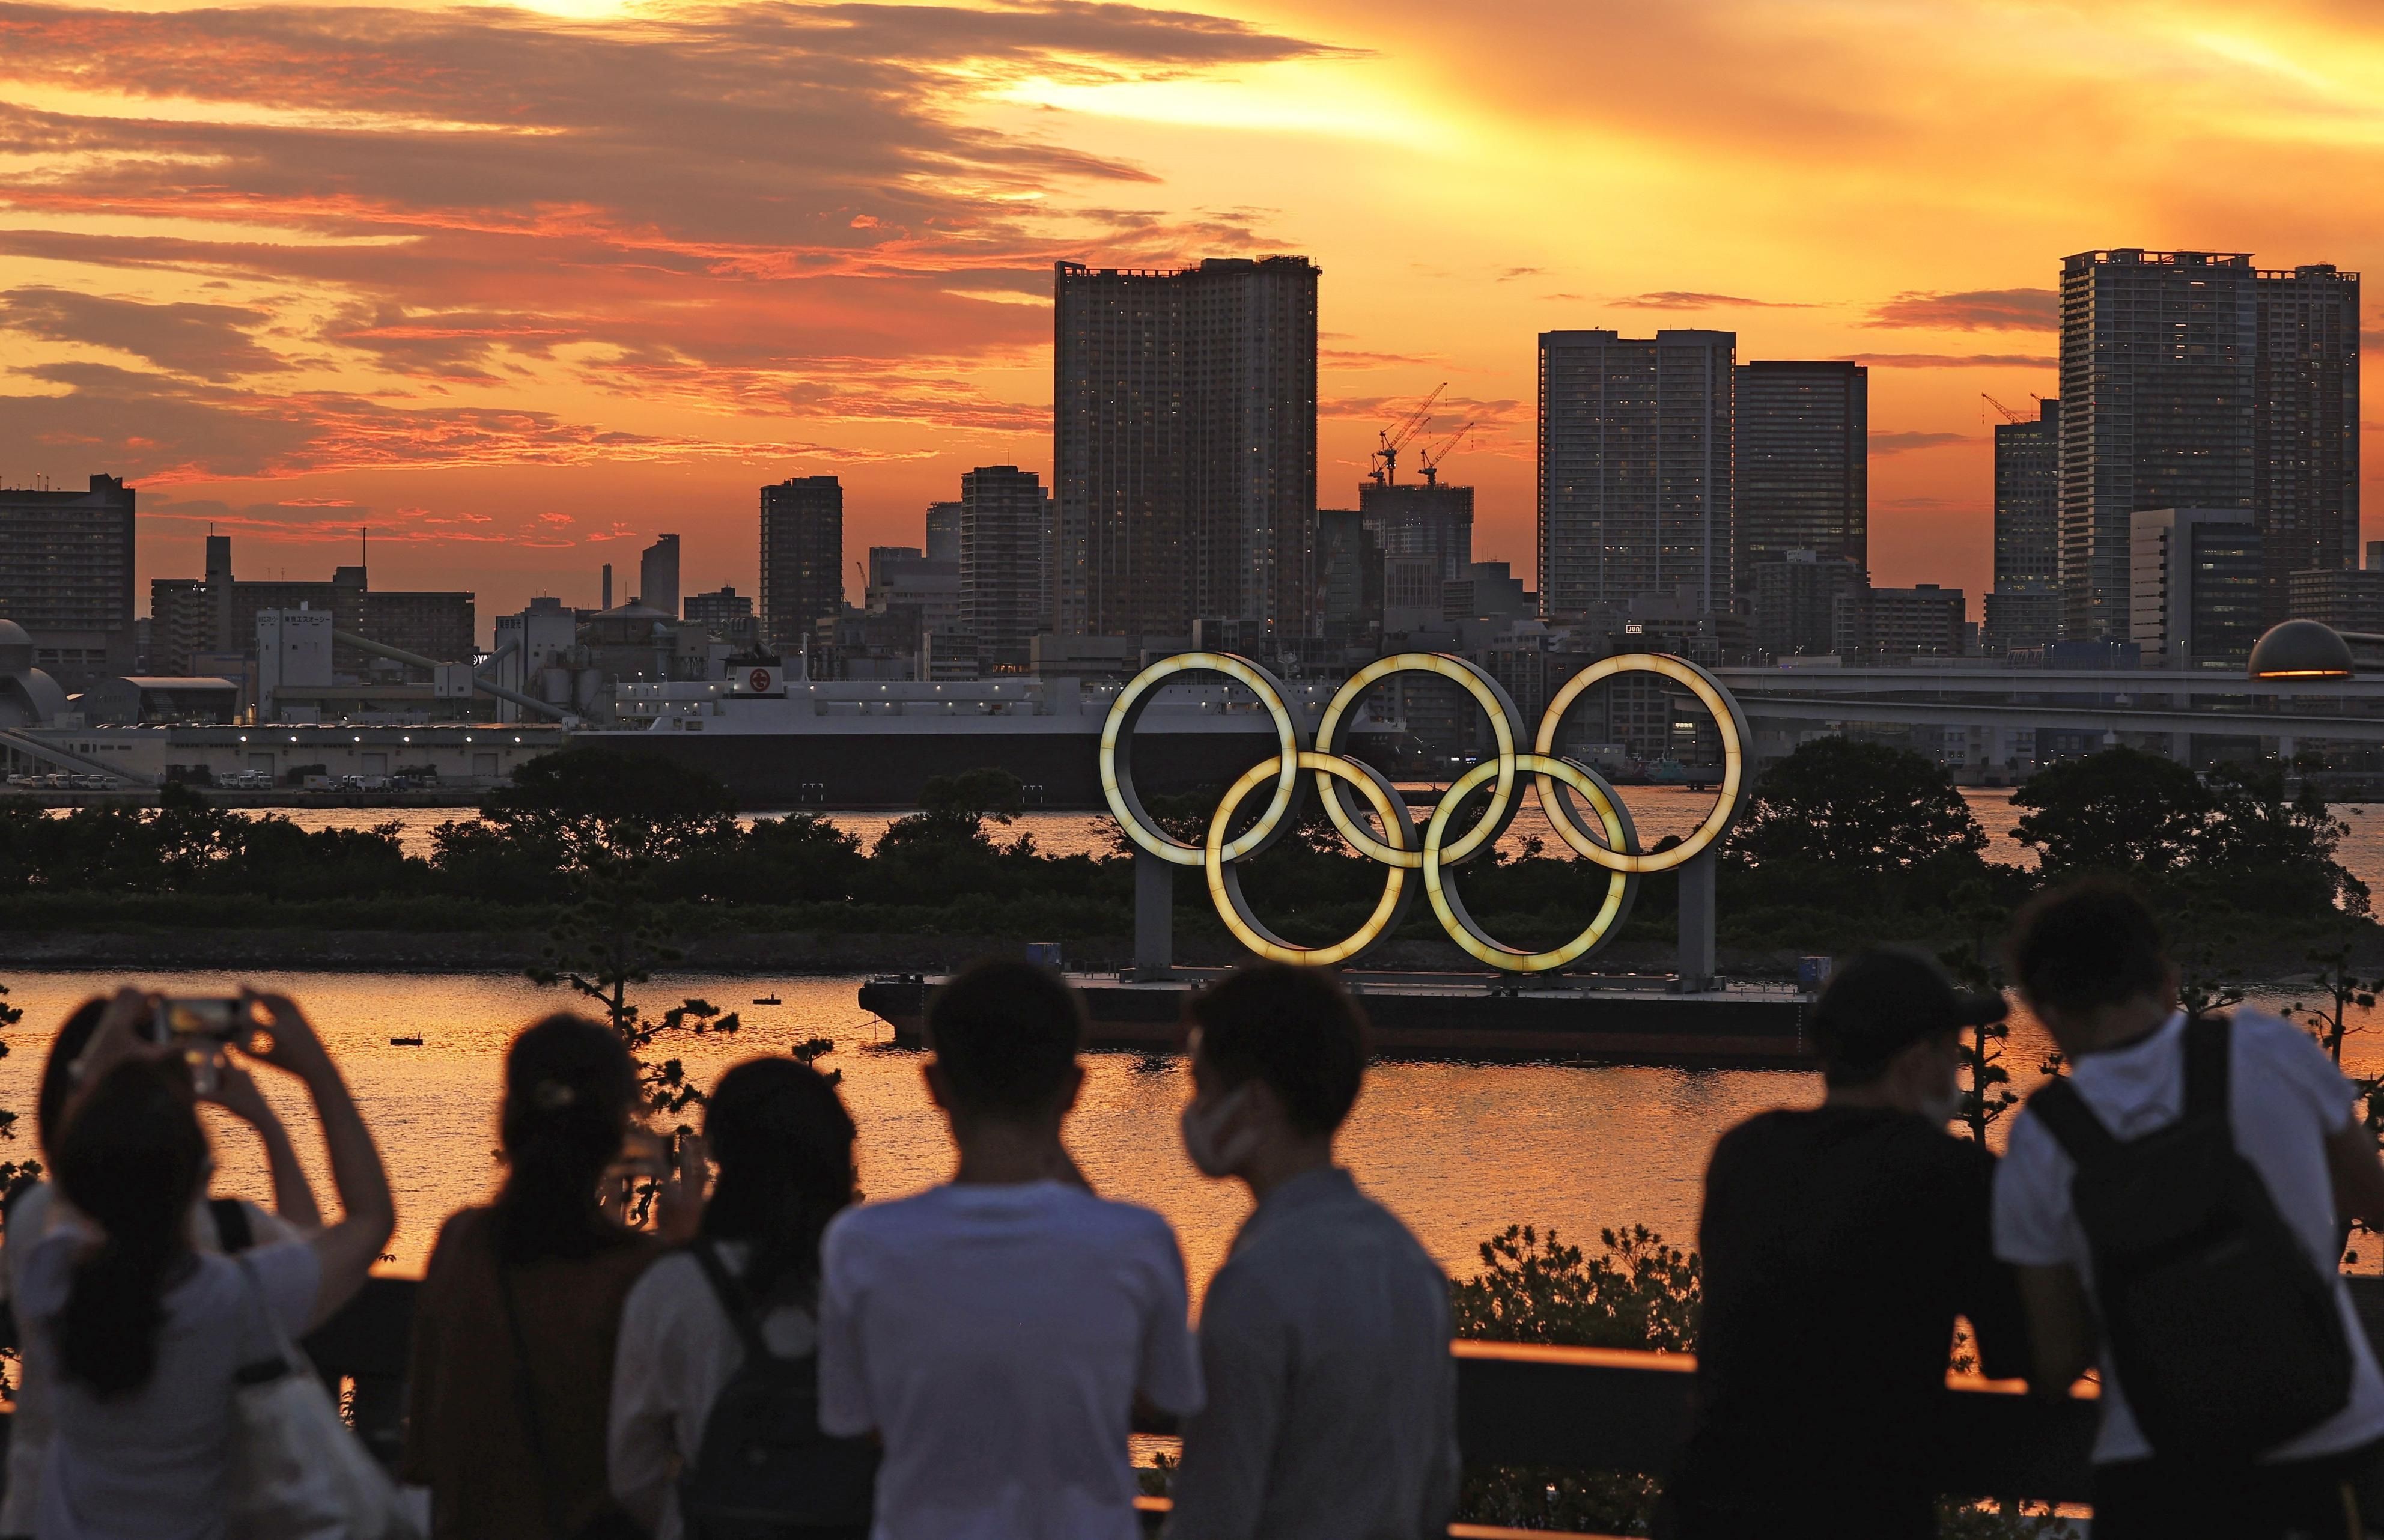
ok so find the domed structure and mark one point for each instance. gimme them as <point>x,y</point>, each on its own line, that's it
<point>28,697</point>
<point>2300,649</point>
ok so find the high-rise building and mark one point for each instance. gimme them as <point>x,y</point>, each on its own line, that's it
<point>727,615</point>
<point>1348,602</point>
<point>66,577</point>
<point>658,576</point>
<point>2191,380</point>
<point>217,614</point>
<point>1634,475</point>
<point>943,531</point>
<point>1801,473</point>
<point>2194,586</point>
<point>1005,536</point>
<point>2159,374</point>
<point>802,557</point>
<point>2349,599</point>
<point>2305,425</point>
<point>1183,447</point>
<point>1414,594</point>
<point>1422,518</point>
<point>2024,607</point>
<point>1921,621</point>
<point>1795,603</point>
<point>900,578</point>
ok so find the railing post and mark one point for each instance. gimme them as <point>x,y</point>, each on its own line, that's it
<point>1695,964</point>
<point>1154,916</point>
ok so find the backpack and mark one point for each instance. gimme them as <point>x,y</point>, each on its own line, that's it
<point>764,1470</point>
<point>2227,1339</point>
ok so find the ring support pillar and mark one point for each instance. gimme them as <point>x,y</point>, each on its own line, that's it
<point>1154,916</point>
<point>1695,965</point>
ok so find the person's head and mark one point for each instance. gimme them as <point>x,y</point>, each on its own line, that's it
<point>570,1090</point>
<point>2089,961</point>
<point>782,1144</point>
<point>1005,1036</point>
<point>131,1160</point>
<point>57,1072</point>
<point>1278,1055</point>
<point>1889,1025</point>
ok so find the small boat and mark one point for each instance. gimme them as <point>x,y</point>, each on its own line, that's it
<point>405,1042</point>
<point>768,999</point>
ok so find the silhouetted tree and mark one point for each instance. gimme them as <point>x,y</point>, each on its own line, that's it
<point>607,820</point>
<point>1852,839</point>
<point>591,807</point>
<point>12,1171</point>
<point>2121,810</point>
<point>1856,807</point>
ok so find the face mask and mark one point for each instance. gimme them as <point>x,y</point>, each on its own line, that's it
<point>1214,1149</point>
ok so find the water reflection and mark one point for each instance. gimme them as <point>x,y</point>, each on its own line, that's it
<point>1459,1150</point>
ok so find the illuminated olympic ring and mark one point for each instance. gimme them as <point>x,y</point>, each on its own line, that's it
<point>1612,844</point>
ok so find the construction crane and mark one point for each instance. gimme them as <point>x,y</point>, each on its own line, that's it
<point>2014,418</point>
<point>1429,460</point>
<point>1395,437</point>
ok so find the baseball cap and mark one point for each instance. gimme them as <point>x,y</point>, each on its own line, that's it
<point>1881,1000</point>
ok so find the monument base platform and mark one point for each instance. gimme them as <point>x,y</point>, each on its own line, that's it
<point>1460,1017</point>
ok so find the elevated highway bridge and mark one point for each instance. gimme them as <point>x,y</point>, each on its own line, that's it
<point>2112,705</point>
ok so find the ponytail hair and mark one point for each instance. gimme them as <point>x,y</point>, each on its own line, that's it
<point>130,1160</point>
<point>783,1142</point>
<point>570,1086</point>
<point>57,1072</point>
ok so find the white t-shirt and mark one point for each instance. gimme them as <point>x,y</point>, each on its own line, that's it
<point>2284,1098</point>
<point>677,1350</point>
<point>29,1427</point>
<point>151,1465</point>
<point>996,1338</point>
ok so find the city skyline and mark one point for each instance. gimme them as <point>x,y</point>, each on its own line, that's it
<point>590,330</point>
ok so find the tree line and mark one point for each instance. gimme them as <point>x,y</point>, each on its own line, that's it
<point>1840,840</point>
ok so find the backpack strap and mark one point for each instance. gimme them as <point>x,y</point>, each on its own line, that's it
<point>2207,1055</point>
<point>733,1300</point>
<point>2073,1124</point>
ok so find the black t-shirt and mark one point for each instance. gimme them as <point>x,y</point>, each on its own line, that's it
<point>1839,1245</point>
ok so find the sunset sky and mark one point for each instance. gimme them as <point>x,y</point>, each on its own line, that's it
<point>519,288</point>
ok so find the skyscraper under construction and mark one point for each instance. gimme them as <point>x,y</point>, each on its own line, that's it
<point>1183,447</point>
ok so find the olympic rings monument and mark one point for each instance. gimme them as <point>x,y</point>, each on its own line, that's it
<point>1521,1008</point>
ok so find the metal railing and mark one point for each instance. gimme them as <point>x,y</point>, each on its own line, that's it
<point>1589,1408</point>
<point>1516,1404</point>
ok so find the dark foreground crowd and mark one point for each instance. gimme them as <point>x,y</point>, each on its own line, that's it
<point>763,1358</point>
